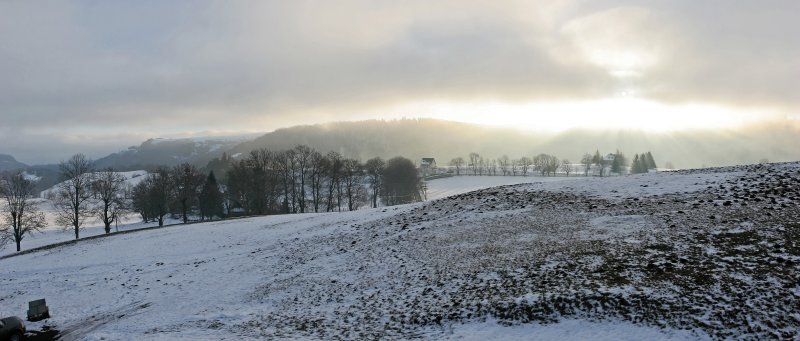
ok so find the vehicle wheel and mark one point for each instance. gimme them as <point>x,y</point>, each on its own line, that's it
<point>16,337</point>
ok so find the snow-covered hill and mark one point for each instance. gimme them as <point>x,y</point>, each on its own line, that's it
<point>169,152</point>
<point>678,255</point>
<point>132,178</point>
<point>445,187</point>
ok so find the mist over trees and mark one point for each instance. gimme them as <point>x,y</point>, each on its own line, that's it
<point>594,164</point>
<point>642,163</point>
<point>444,140</point>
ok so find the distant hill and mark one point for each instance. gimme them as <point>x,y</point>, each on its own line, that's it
<point>9,163</point>
<point>774,142</point>
<point>169,152</point>
<point>412,138</point>
<point>444,140</point>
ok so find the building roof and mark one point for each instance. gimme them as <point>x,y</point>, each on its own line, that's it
<point>428,160</point>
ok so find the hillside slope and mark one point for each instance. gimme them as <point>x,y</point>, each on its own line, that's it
<point>677,255</point>
<point>9,163</point>
<point>169,152</point>
<point>412,138</point>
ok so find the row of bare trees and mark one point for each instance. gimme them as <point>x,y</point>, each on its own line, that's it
<point>543,164</point>
<point>549,165</point>
<point>81,194</point>
<point>302,180</point>
<point>21,215</point>
<point>265,182</point>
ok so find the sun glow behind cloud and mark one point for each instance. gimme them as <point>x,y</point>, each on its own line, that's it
<point>612,113</point>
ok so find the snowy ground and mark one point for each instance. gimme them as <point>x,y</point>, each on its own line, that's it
<point>679,255</point>
<point>445,187</point>
<point>53,233</point>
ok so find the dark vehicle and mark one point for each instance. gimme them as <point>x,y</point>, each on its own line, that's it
<point>12,329</point>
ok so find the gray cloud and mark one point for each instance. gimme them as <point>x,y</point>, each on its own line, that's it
<point>75,73</point>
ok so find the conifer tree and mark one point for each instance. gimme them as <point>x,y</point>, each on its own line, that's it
<point>635,165</point>
<point>651,163</point>
<point>211,199</point>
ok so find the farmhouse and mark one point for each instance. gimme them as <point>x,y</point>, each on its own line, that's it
<point>427,166</point>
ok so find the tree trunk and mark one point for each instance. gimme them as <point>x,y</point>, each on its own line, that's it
<point>183,209</point>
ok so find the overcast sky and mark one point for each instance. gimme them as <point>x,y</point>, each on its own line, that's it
<point>98,76</point>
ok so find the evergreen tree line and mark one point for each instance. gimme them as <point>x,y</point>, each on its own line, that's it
<point>642,163</point>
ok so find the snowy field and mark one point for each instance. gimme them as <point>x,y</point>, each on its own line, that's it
<point>445,187</point>
<point>53,233</point>
<point>668,256</point>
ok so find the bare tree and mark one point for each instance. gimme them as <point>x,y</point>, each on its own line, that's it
<point>546,164</point>
<point>504,163</point>
<point>285,164</point>
<point>333,175</point>
<point>458,163</point>
<point>109,188</point>
<point>525,163</point>
<point>475,162</point>
<point>263,183</point>
<point>319,164</point>
<point>586,161</point>
<point>187,182</point>
<point>566,167</point>
<point>72,195</point>
<point>553,164</point>
<point>304,157</point>
<point>22,217</point>
<point>351,179</point>
<point>140,201</point>
<point>374,170</point>
<point>159,193</point>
